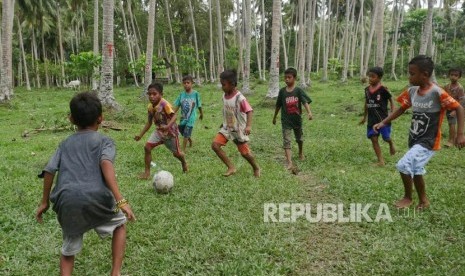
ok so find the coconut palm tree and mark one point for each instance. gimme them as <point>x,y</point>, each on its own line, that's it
<point>149,51</point>
<point>6,69</point>
<point>273,89</point>
<point>108,52</point>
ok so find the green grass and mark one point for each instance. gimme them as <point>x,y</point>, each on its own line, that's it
<point>213,225</point>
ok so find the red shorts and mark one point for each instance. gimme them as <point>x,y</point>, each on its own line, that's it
<point>221,140</point>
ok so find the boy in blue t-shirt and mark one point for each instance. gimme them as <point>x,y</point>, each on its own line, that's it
<point>188,101</point>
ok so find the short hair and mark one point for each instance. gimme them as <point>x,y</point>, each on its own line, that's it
<point>157,86</point>
<point>85,109</point>
<point>187,78</point>
<point>291,71</point>
<point>455,69</point>
<point>377,71</point>
<point>229,75</point>
<point>424,63</point>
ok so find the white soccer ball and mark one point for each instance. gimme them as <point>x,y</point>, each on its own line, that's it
<point>163,182</point>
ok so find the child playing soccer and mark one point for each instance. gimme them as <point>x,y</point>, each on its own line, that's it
<point>162,115</point>
<point>189,102</point>
<point>428,102</point>
<point>86,194</point>
<point>455,90</point>
<point>290,100</point>
<point>237,124</point>
<point>377,97</point>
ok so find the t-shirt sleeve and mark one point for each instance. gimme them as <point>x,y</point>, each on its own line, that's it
<point>54,163</point>
<point>177,102</point>
<point>447,101</point>
<point>245,106</point>
<point>404,99</point>
<point>387,93</point>
<point>198,100</point>
<point>108,150</point>
<point>304,98</point>
<point>168,108</point>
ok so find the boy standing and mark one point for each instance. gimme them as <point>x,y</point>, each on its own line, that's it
<point>290,100</point>
<point>455,90</point>
<point>189,102</point>
<point>428,102</point>
<point>237,124</point>
<point>160,113</point>
<point>86,193</point>
<point>377,97</point>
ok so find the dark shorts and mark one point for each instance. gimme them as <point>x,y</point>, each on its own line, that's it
<point>185,130</point>
<point>298,134</point>
<point>384,131</point>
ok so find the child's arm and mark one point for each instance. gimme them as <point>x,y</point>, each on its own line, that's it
<point>201,113</point>
<point>365,114</point>
<point>170,122</point>
<point>45,202</point>
<point>391,103</point>
<point>147,126</point>
<point>460,139</point>
<point>248,126</point>
<point>108,172</point>
<point>276,114</point>
<point>389,118</point>
<point>309,112</point>
<point>176,108</point>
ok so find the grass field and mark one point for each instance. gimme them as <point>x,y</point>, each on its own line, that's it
<point>211,225</point>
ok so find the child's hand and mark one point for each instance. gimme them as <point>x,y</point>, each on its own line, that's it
<point>452,114</point>
<point>310,116</point>
<point>128,212</point>
<point>247,130</point>
<point>43,207</point>
<point>274,120</point>
<point>378,126</point>
<point>460,141</point>
<point>137,137</point>
<point>362,122</point>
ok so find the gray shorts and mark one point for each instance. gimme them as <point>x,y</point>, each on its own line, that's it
<point>171,143</point>
<point>72,244</point>
<point>298,133</point>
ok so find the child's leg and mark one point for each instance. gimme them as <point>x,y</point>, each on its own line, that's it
<point>173,145</point>
<point>66,265</point>
<point>217,143</point>
<point>245,152</point>
<point>406,201</point>
<point>147,162</point>
<point>287,147</point>
<point>392,148</point>
<point>452,134</point>
<point>184,143</point>
<point>180,156</point>
<point>377,149</point>
<point>298,133</point>
<point>118,245</point>
<point>421,191</point>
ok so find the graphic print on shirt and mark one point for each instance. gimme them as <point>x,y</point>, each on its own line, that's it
<point>419,125</point>
<point>230,116</point>
<point>187,105</point>
<point>292,105</point>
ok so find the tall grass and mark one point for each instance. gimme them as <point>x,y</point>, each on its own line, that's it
<point>214,225</point>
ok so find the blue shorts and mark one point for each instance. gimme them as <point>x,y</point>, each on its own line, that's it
<point>384,131</point>
<point>185,130</point>
<point>414,161</point>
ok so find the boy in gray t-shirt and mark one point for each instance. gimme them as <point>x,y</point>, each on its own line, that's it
<point>86,195</point>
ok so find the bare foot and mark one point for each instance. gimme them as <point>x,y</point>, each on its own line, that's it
<point>144,176</point>
<point>403,203</point>
<point>229,172</point>
<point>422,206</point>
<point>392,150</point>
<point>302,157</point>
<point>290,166</point>
<point>379,164</point>
<point>185,168</point>
<point>190,142</point>
<point>256,173</point>
<point>448,144</point>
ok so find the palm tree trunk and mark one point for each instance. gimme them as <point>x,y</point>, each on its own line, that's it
<point>427,29</point>
<point>400,12</point>
<point>108,51</point>
<point>23,54</point>
<point>95,45</point>
<point>220,39</point>
<point>273,89</point>
<point>247,46</point>
<point>301,41</point>
<point>149,51</point>
<point>128,42</point>
<point>191,13</point>
<point>173,44</point>
<point>263,40</point>
<point>60,45</point>
<point>379,21</point>
<point>212,55</point>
